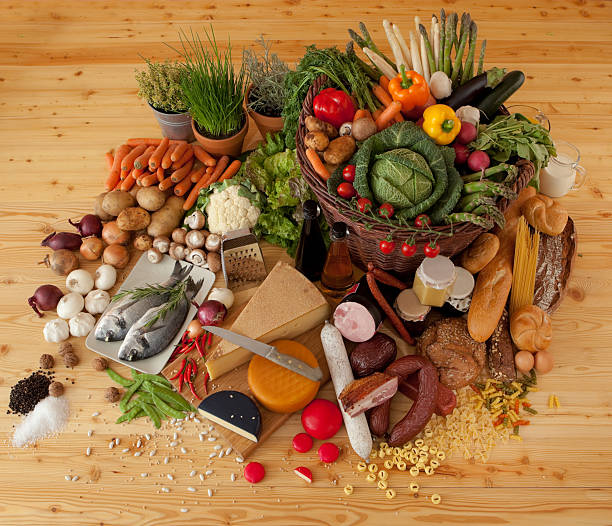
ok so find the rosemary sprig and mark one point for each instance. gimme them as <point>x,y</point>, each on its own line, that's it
<point>141,293</point>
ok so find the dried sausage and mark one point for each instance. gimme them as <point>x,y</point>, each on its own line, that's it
<point>446,400</point>
<point>386,278</point>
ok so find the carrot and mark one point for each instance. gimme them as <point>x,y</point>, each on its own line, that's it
<point>384,82</point>
<point>209,170</point>
<point>149,179</point>
<point>231,170</point>
<point>382,95</point>
<point>137,173</point>
<point>166,161</point>
<point>182,172</point>
<point>197,173</point>
<point>361,114</point>
<point>160,174</point>
<point>111,180</point>
<point>127,162</point>
<point>166,183</point>
<point>146,142</point>
<point>376,114</point>
<point>142,161</point>
<point>182,187</point>
<point>399,117</point>
<point>109,160</point>
<point>204,156</point>
<point>120,153</point>
<point>156,158</point>
<point>184,158</point>
<point>128,182</point>
<point>178,152</point>
<point>205,181</point>
<point>317,164</point>
<point>388,114</point>
<point>118,185</point>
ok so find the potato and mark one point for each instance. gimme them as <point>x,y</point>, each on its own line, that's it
<point>117,200</point>
<point>340,150</point>
<point>363,128</point>
<point>316,140</point>
<point>133,218</point>
<point>314,124</point>
<point>167,218</point>
<point>151,198</point>
<point>143,241</point>
<point>134,191</point>
<point>99,211</point>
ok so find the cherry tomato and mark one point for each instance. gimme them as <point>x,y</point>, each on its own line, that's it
<point>386,210</point>
<point>409,248</point>
<point>364,204</point>
<point>432,249</point>
<point>422,220</point>
<point>346,190</point>
<point>348,174</point>
<point>386,247</point>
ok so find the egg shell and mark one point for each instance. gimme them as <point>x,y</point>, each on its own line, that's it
<point>302,442</point>
<point>524,361</point>
<point>544,362</point>
<point>328,452</point>
<point>321,419</point>
<point>303,473</point>
<point>254,472</point>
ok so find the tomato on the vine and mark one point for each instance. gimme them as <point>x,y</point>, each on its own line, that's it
<point>346,190</point>
<point>364,204</point>
<point>432,249</point>
<point>409,248</point>
<point>386,246</point>
<point>348,174</point>
<point>422,220</point>
<point>386,210</point>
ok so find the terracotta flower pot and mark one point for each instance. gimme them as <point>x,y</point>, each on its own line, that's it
<point>231,146</point>
<point>264,123</point>
<point>176,126</point>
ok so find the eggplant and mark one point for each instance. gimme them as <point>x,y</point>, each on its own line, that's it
<point>474,88</point>
<point>490,104</point>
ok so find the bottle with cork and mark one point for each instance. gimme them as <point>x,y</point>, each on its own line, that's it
<point>337,275</point>
<point>310,255</point>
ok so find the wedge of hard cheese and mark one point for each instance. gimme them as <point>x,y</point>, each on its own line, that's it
<point>285,305</point>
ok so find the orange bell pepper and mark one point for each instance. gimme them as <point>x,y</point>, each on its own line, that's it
<point>409,88</point>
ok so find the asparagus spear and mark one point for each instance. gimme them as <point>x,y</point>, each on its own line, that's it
<point>459,217</point>
<point>430,56</point>
<point>493,212</point>
<point>481,59</point>
<point>372,45</point>
<point>404,47</point>
<point>468,72</point>
<point>471,201</point>
<point>498,168</point>
<point>460,50</point>
<point>489,188</point>
<point>442,39</point>
<point>368,70</point>
<point>451,27</point>
<point>436,43</point>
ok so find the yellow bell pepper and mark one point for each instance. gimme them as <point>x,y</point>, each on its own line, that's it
<point>441,123</point>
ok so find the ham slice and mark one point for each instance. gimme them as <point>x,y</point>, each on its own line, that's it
<point>365,393</point>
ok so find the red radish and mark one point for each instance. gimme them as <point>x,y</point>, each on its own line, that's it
<point>321,419</point>
<point>467,134</point>
<point>254,472</point>
<point>328,452</point>
<point>302,442</point>
<point>45,297</point>
<point>211,312</point>
<point>478,161</point>
<point>303,473</point>
<point>461,153</point>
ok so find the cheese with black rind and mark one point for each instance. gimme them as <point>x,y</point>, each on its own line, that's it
<point>234,411</point>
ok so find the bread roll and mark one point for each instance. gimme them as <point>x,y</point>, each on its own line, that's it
<point>482,250</point>
<point>531,329</point>
<point>545,214</point>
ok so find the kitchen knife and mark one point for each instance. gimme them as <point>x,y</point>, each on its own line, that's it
<point>269,352</point>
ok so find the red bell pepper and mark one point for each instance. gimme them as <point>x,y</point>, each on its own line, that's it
<point>334,106</point>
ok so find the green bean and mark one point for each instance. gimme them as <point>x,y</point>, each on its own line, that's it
<point>118,379</point>
<point>151,414</point>
<point>128,415</point>
<point>154,378</point>
<point>168,396</point>
<point>142,396</point>
<point>166,409</point>
<point>139,414</point>
<point>129,393</point>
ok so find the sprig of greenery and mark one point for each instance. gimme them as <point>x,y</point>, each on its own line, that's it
<point>160,85</point>
<point>211,87</point>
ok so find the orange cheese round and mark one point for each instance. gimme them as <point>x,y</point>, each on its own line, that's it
<point>279,389</point>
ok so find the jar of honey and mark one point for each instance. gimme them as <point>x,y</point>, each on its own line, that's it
<point>433,280</point>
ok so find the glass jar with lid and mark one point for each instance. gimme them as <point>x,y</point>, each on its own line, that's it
<point>433,280</point>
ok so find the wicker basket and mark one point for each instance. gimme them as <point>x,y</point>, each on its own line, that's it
<point>363,242</point>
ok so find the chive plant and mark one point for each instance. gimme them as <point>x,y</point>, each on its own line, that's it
<point>213,90</point>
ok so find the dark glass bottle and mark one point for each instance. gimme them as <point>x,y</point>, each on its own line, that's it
<point>337,274</point>
<point>310,256</point>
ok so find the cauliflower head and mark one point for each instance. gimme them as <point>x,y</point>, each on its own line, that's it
<point>226,211</point>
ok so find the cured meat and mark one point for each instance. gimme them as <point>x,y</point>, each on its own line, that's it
<point>368,392</point>
<point>446,400</point>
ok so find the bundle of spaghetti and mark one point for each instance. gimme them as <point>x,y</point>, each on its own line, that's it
<point>525,264</point>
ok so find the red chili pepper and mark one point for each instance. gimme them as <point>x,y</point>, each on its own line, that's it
<point>206,377</point>
<point>194,368</point>
<point>200,351</point>
<point>184,338</point>
<point>193,392</point>
<point>180,371</point>
<point>181,380</point>
<point>208,340</point>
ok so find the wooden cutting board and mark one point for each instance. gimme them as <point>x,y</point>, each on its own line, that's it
<point>237,380</point>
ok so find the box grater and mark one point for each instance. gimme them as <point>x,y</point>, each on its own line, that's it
<point>241,259</point>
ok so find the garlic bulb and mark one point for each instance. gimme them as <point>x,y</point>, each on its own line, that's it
<point>56,331</point>
<point>70,305</point>
<point>225,296</point>
<point>97,301</point>
<point>79,281</point>
<point>81,324</point>
<point>106,276</point>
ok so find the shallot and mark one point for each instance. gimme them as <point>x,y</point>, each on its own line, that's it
<point>60,240</point>
<point>79,281</point>
<point>45,297</point>
<point>62,261</point>
<point>211,312</point>
<point>116,255</point>
<point>90,225</point>
<point>92,248</point>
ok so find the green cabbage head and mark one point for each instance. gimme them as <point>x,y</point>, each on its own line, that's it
<point>401,177</point>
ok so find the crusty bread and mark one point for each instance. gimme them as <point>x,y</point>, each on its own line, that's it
<point>545,214</point>
<point>482,250</point>
<point>531,329</point>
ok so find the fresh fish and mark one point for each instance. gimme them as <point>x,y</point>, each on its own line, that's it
<point>143,342</point>
<point>114,324</point>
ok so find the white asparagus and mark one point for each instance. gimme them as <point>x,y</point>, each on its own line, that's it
<point>436,43</point>
<point>424,60</point>
<point>395,47</point>
<point>414,51</point>
<point>417,22</point>
<point>403,46</point>
<point>380,63</point>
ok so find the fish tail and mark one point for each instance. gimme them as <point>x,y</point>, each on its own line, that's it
<point>193,287</point>
<point>179,273</point>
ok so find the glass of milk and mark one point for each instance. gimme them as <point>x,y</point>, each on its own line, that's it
<point>563,173</point>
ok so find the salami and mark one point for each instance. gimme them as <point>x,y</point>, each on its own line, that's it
<point>446,400</point>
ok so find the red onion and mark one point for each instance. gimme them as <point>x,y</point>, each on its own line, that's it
<point>46,297</point>
<point>57,241</point>
<point>90,225</point>
<point>211,312</point>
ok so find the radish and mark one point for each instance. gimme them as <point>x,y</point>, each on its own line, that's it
<point>467,134</point>
<point>461,153</point>
<point>478,160</point>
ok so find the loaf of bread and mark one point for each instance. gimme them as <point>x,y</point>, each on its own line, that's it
<point>495,280</point>
<point>482,250</point>
<point>530,329</point>
<point>545,214</point>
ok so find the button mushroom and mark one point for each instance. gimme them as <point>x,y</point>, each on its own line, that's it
<point>345,129</point>
<point>161,243</point>
<point>195,239</point>
<point>154,255</point>
<point>197,257</point>
<point>196,221</point>
<point>178,235</point>
<point>213,243</point>
<point>176,251</point>
<point>214,262</point>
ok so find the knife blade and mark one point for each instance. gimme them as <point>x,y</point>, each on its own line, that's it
<point>268,352</point>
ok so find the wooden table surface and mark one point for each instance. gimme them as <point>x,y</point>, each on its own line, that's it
<point>67,95</point>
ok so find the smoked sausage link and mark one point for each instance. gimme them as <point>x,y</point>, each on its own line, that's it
<point>446,400</point>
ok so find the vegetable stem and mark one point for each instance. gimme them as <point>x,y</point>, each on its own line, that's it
<point>483,47</point>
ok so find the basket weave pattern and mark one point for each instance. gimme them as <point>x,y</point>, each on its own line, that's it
<point>363,242</point>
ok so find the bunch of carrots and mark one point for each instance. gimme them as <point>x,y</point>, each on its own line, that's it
<point>167,163</point>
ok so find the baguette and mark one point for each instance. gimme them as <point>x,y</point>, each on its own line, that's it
<point>495,280</point>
